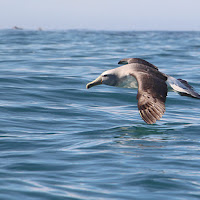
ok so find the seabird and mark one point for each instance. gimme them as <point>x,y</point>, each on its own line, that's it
<point>151,83</point>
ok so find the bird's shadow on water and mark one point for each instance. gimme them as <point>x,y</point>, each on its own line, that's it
<point>153,133</point>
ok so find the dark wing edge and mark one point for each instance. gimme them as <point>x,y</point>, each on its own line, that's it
<point>152,92</point>
<point>191,91</point>
<point>137,60</point>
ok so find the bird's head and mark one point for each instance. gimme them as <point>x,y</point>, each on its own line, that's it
<point>108,78</point>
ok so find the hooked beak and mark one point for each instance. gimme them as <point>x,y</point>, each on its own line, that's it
<point>97,81</point>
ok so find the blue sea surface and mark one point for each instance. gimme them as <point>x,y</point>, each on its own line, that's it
<point>60,141</point>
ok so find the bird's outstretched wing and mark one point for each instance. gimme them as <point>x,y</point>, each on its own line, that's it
<point>136,60</point>
<point>152,92</point>
<point>189,89</point>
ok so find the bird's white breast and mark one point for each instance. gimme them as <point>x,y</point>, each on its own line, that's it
<point>128,82</point>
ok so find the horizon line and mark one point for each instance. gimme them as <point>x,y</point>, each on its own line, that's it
<point>19,28</point>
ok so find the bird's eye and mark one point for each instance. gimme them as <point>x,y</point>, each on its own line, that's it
<point>105,75</point>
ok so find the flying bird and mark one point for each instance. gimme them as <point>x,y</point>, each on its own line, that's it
<point>151,83</point>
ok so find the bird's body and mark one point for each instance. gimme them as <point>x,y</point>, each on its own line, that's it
<point>151,83</point>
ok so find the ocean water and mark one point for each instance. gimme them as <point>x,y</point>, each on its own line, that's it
<point>60,141</point>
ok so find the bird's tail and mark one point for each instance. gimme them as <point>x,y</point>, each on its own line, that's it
<point>182,87</point>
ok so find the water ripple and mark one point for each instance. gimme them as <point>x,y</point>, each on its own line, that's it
<point>59,140</point>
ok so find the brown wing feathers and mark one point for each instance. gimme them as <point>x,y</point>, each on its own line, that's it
<point>152,92</point>
<point>150,109</point>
